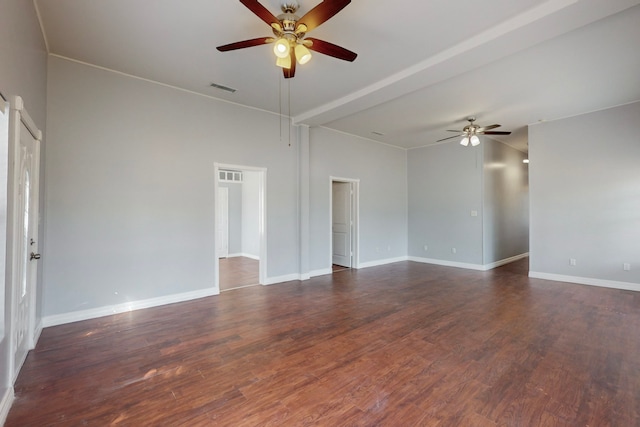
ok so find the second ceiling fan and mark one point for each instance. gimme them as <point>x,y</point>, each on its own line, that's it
<point>289,32</point>
<point>471,131</point>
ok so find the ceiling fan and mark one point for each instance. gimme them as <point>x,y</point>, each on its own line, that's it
<point>289,32</point>
<point>470,132</point>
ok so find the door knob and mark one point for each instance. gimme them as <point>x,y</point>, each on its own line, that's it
<point>34,256</point>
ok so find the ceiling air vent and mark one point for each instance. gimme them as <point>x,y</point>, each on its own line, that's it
<point>221,87</point>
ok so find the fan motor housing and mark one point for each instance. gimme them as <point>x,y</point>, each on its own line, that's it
<point>288,21</point>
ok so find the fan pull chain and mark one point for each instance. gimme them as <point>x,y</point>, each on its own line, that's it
<point>289,109</point>
<point>280,106</point>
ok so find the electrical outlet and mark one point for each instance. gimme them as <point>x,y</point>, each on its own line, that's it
<point>572,261</point>
<point>474,213</point>
<point>426,248</point>
<point>389,248</point>
<point>626,266</point>
<point>453,250</point>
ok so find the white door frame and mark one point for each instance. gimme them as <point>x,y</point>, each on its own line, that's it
<point>355,210</point>
<point>262,219</point>
<point>17,117</point>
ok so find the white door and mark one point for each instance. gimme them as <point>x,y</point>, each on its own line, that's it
<point>341,224</point>
<point>222,223</point>
<point>25,176</point>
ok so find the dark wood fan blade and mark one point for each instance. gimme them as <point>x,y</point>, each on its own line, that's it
<point>482,129</point>
<point>331,49</point>
<point>449,130</point>
<point>260,11</point>
<point>451,137</point>
<point>245,43</point>
<point>290,72</point>
<point>321,13</point>
<point>496,132</point>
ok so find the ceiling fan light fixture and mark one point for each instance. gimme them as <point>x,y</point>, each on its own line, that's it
<point>465,141</point>
<point>302,54</point>
<point>474,140</point>
<point>289,30</point>
<point>281,48</point>
<point>284,62</point>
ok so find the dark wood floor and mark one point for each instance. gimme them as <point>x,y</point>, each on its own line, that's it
<point>238,272</point>
<point>406,344</point>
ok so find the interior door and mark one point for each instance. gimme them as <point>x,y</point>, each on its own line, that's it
<point>25,232</point>
<point>341,224</point>
<point>222,223</point>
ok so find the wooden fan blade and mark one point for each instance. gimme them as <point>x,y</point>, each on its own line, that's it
<point>321,13</point>
<point>331,49</point>
<point>449,130</point>
<point>496,132</point>
<point>260,11</point>
<point>290,72</point>
<point>451,137</point>
<point>482,129</point>
<point>245,43</point>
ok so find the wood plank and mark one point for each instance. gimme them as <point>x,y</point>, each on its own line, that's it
<point>238,272</point>
<point>402,344</point>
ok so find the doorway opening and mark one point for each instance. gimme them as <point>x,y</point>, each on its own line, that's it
<point>344,223</point>
<point>240,226</point>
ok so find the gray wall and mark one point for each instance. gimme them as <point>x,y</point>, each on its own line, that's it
<point>244,236</point>
<point>505,212</point>
<point>382,171</point>
<point>23,57</point>
<point>235,216</point>
<point>129,187</point>
<point>250,214</point>
<point>445,185</point>
<point>448,182</point>
<point>585,195</point>
<point>23,72</point>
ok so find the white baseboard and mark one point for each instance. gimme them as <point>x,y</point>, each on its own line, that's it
<point>76,316</point>
<point>280,279</point>
<point>301,277</point>
<point>478,267</point>
<point>321,272</point>
<point>381,262</point>
<point>60,319</point>
<point>445,263</point>
<point>5,404</point>
<point>36,333</point>
<point>505,261</point>
<point>586,281</point>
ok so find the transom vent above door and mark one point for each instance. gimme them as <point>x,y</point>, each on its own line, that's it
<point>225,175</point>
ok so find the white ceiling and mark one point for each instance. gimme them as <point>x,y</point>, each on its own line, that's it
<point>422,66</point>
